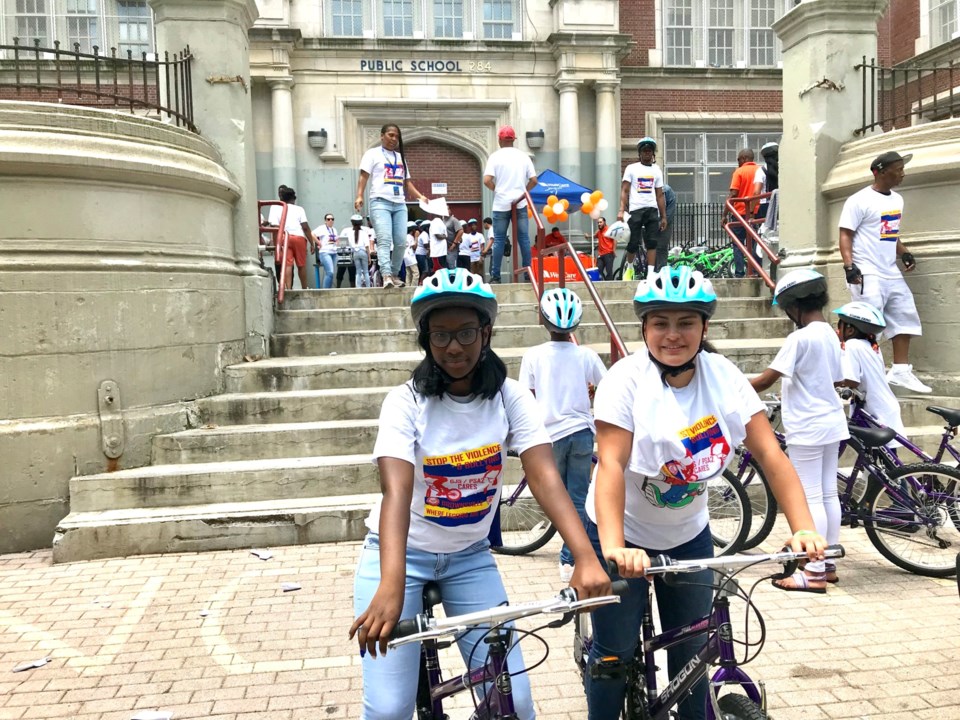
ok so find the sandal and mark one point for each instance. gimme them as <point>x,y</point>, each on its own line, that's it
<point>803,582</point>
<point>830,575</point>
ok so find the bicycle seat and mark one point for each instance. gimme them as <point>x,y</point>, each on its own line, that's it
<point>951,415</point>
<point>872,437</point>
<point>431,595</point>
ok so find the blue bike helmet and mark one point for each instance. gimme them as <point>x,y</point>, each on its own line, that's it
<point>453,288</point>
<point>561,310</point>
<point>863,316</point>
<point>675,288</point>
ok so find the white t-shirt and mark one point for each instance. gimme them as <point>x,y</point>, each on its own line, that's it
<point>438,238</point>
<point>470,245</point>
<point>388,173</point>
<point>874,219</point>
<point>295,216</point>
<point>408,256</point>
<point>423,239</point>
<point>511,170</point>
<point>326,239</point>
<point>864,365</point>
<point>366,236</point>
<point>708,418</point>
<point>810,364</point>
<point>558,372</point>
<point>458,451</point>
<point>644,181</point>
<point>761,177</point>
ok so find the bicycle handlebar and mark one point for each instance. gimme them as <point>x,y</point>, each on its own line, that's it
<point>663,564</point>
<point>422,627</point>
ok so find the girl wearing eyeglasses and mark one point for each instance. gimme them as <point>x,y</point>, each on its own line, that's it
<point>441,448</point>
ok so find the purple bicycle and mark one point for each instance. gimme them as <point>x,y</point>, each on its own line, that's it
<point>742,698</point>
<point>494,701</point>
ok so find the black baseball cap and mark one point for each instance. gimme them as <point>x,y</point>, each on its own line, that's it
<point>887,159</point>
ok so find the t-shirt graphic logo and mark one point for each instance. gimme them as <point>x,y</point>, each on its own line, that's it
<point>890,226</point>
<point>461,487</point>
<point>393,174</point>
<point>645,185</point>
<point>707,451</point>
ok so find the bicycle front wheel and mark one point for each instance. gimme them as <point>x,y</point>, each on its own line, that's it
<point>763,506</point>
<point>740,707</point>
<point>917,527</point>
<point>524,526</point>
<point>729,510</point>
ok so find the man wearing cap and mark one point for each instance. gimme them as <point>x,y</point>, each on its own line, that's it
<point>509,172</point>
<point>870,245</point>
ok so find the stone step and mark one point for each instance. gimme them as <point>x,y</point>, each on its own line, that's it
<point>367,341</point>
<point>506,293</point>
<point>220,526</point>
<point>524,313</point>
<point>913,409</point>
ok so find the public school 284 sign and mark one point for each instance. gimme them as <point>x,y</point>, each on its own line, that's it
<point>422,66</point>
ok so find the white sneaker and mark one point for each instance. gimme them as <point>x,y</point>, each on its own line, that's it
<point>566,573</point>
<point>399,283</point>
<point>902,376</point>
<point>388,281</point>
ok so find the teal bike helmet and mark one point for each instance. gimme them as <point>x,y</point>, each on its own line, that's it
<point>453,288</point>
<point>647,142</point>
<point>561,310</point>
<point>675,288</point>
<point>863,316</point>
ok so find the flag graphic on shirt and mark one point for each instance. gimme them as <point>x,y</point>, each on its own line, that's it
<point>461,487</point>
<point>707,451</point>
<point>890,226</point>
<point>645,185</point>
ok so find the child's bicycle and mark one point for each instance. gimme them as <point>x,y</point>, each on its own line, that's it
<point>494,699</point>
<point>636,270</point>
<point>746,699</point>
<point>712,263</point>
<point>525,527</point>
<point>911,512</point>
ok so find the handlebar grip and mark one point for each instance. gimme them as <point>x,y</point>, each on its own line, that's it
<point>619,587</point>
<point>405,628</point>
<point>661,561</point>
<point>835,551</point>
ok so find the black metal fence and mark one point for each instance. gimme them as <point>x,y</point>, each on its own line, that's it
<point>891,96</point>
<point>698,224</point>
<point>121,81</point>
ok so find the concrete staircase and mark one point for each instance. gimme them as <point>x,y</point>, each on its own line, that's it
<point>283,457</point>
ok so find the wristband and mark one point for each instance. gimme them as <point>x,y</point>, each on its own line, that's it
<point>805,532</point>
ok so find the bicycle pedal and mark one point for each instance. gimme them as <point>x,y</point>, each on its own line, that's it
<point>607,668</point>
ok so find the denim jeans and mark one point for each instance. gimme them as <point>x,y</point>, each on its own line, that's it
<point>362,263</point>
<point>739,262</point>
<point>616,628</point>
<point>390,224</point>
<point>469,582</point>
<point>501,218</point>
<point>329,262</point>
<point>574,456</point>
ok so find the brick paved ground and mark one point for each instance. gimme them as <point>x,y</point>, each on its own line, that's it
<point>125,635</point>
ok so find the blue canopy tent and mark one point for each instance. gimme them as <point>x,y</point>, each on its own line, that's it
<point>551,183</point>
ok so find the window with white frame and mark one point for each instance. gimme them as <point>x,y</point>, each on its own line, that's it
<point>121,24</point>
<point>134,27</point>
<point>499,19</point>
<point>448,18</point>
<point>454,19</point>
<point>83,24</point>
<point>943,20</point>
<point>346,18</point>
<point>699,165</point>
<point>29,21</point>
<point>721,33</point>
<point>397,18</point>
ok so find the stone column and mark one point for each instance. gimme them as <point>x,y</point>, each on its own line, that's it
<point>569,130</point>
<point>216,32</point>
<point>822,42</point>
<point>284,157</point>
<point>608,150</point>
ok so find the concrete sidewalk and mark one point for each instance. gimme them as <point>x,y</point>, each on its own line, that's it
<point>128,635</point>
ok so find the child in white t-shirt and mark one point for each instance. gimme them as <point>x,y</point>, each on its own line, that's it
<point>437,233</point>
<point>813,417</point>
<point>562,376</point>
<point>859,325</point>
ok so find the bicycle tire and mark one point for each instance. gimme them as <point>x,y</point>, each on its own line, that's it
<point>524,526</point>
<point>740,707</point>
<point>900,533</point>
<point>763,505</point>
<point>727,504</point>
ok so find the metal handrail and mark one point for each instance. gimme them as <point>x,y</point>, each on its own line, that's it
<point>278,233</point>
<point>880,104</point>
<point>752,234</point>
<point>513,232</point>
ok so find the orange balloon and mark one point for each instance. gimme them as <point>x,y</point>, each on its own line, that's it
<point>596,196</point>
<point>550,216</point>
<point>563,217</point>
<point>586,207</point>
<point>565,203</point>
<point>547,209</point>
<point>553,200</point>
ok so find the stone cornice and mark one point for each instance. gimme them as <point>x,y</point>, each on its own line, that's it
<point>240,12</point>
<point>814,17</point>
<point>703,78</point>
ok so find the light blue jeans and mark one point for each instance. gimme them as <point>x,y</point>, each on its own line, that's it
<point>329,262</point>
<point>362,263</point>
<point>390,224</point>
<point>501,219</point>
<point>469,582</point>
<point>574,456</point>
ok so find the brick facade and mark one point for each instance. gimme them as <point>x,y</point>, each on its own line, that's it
<point>635,102</point>
<point>899,30</point>
<point>637,19</point>
<point>431,162</point>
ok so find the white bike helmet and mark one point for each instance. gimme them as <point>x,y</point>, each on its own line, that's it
<point>561,310</point>
<point>863,316</point>
<point>798,284</point>
<point>619,231</point>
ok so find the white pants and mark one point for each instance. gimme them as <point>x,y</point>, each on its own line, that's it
<point>817,467</point>
<point>893,298</point>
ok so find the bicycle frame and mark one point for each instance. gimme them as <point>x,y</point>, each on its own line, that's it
<point>864,419</point>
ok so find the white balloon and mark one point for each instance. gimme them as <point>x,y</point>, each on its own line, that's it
<point>585,198</point>
<point>557,208</point>
<point>595,213</point>
<point>602,204</point>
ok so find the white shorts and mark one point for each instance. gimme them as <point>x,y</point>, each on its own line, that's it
<point>893,298</point>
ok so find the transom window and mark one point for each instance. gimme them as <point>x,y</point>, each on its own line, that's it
<point>454,19</point>
<point>121,24</point>
<point>943,20</point>
<point>722,33</point>
<point>699,165</point>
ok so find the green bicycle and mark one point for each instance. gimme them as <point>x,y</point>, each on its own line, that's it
<point>713,263</point>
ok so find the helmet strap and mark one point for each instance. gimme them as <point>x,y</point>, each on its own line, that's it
<point>674,370</point>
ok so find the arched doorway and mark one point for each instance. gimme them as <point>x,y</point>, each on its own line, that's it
<point>441,169</point>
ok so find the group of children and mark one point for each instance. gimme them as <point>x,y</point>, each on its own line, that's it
<point>446,242</point>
